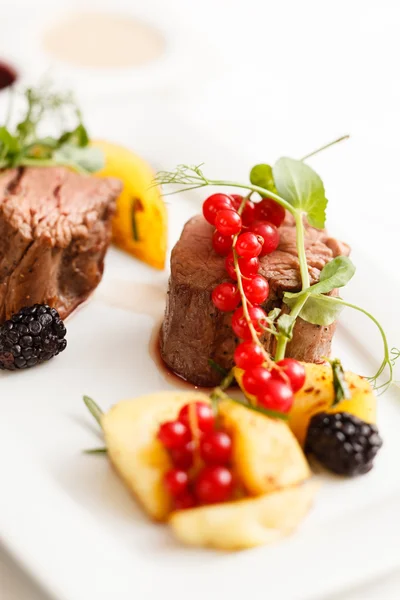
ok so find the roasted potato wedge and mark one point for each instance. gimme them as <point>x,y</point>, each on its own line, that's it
<point>244,523</point>
<point>130,430</point>
<point>266,455</point>
<point>140,222</point>
<point>317,395</point>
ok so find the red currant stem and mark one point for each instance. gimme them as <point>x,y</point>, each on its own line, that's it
<point>341,139</point>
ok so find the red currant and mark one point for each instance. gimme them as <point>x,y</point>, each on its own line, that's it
<point>226,296</point>
<point>269,233</point>
<point>216,448</point>
<point>269,210</point>
<point>185,500</point>
<point>255,380</point>
<point>214,484</point>
<point>248,245</point>
<point>256,289</point>
<point>276,395</point>
<point>204,414</point>
<point>173,434</point>
<point>228,222</point>
<point>176,481</point>
<point>247,266</point>
<point>239,323</point>
<point>222,244</point>
<point>183,457</point>
<point>248,211</point>
<point>248,354</point>
<point>295,372</point>
<point>214,204</point>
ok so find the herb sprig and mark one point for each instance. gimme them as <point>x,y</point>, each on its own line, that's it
<point>24,146</point>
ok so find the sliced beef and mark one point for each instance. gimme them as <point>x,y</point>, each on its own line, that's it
<point>194,331</point>
<point>55,228</point>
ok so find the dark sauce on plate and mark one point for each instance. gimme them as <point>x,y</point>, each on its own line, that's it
<point>8,75</point>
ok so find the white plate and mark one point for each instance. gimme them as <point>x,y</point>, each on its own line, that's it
<point>68,519</point>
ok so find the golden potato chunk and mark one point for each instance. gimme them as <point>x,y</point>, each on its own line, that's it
<point>244,523</point>
<point>130,430</point>
<point>317,395</point>
<point>266,455</point>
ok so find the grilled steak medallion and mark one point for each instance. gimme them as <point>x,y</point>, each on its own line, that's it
<point>194,330</point>
<point>55,227</point>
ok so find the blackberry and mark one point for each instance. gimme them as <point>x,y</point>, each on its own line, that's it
<point>32,336</point>
<point>342,442</point>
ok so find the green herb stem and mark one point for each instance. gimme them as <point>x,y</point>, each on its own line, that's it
<point>94,409</point>
<point>386,359</point>
<point>341,139</point>
<point>282,339</point>
<point>301,251</point>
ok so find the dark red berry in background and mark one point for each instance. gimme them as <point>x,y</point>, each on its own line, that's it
<point>203,412</point>
<point>248,214</point>
<point>256,289</point>
<point>295,371</point>
<point>248,245</point>
<point>276,395</point>
<point>182,458</point>
<point>228,222</point>
<point>173,434</point>
<point>226,296</point>
<point>248,354</point>
<point>186,500</point>
<point>239,323</point>
<point>269,210</point>
<point>216,448</point>
<point>269,233</point>
<point>176,481</point>
<point>214,204</point>
<point>255,380</point>
<point>248,266</point>
<point>222,244</point>
<point>214,484</point>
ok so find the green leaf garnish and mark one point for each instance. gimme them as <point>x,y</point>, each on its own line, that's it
<point>23,146</point>
<point>96,451</point>
<point>300,185</point>
<point>83,160</point>
<point>318,309</point>
<point>261,175</point>
<point>340,386</point>
<point>94,409</point>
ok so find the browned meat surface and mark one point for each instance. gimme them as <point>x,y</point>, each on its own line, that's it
<point>194,330</point>
<point>55,228</point>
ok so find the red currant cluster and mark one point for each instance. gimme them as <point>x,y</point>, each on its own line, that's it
<point>242,238</point>
<point>201,455</point>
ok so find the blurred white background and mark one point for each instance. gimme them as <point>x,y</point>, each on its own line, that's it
<point>264,78</point>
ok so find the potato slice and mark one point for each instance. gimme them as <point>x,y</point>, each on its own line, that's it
<point>266,455</point>
<point>140,223</point>
<point>130,430</point>
<point>244,523</point>
<point>317,395</point>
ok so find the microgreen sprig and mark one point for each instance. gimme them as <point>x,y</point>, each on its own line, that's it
<point>24,146</point>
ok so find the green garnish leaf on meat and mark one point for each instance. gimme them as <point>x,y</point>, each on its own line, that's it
<point>24,145</point>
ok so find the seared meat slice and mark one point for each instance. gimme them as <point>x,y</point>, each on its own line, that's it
<point>194,330</point>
